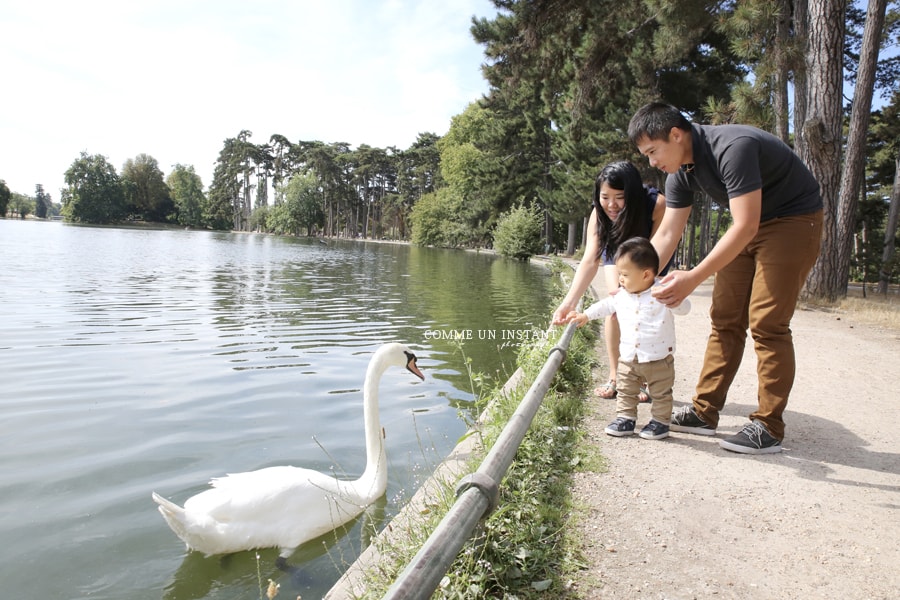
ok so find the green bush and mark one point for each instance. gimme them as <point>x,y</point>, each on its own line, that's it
<point>429,219</point>
<point>518,233</point>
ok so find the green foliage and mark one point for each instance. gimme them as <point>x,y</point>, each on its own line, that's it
<point>21,205</point>
<point>431,219</point>
<point>518,233</point>
<point>43,204</point>
<point>300,208</point>
<point>461,167</point>
<point>146,194</point>
<point>525,548</point>
<point>871,260</point>
<point>5,195</point>
<point>223,198</point>
<point>259,218</point>
<point>186,190</point>
<point>94,193</point>
<point>565,79</point>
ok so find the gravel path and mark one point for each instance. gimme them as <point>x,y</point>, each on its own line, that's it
<point>681,518</point>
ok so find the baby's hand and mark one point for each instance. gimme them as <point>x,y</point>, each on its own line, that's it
<point>578,318</point>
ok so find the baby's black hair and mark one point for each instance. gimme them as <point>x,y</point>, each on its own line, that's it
<point>641,252</point>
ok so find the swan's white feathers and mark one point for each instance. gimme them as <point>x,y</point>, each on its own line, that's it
<point>285,506</point>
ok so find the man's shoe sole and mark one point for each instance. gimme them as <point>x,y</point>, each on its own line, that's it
<point>696,430</point>
<point>749,450</point>
<point>619,433</point>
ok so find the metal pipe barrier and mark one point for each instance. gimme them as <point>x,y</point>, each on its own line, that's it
<point>477,493</point>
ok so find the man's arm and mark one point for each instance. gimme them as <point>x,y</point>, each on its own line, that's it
<point>745,212</point>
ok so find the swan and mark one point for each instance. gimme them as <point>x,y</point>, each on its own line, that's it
<point>282,507</point>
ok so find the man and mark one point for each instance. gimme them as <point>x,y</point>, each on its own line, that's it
<point>760,263</point>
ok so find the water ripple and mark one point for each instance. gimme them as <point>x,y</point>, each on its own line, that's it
<point>155,360</point>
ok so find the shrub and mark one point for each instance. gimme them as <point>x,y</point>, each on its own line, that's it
<point>518,233</point>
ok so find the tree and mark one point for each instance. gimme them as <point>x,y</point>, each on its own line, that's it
<point>854,168</point>
<point>418,170</point>
<point>323,161</point>
<point>43,203</point>
<point>888,256</point>
<point>818,133</point>
<point>430,218</point>
<point>300,209</point>
<point>5,195</point>
<point>230,193</point>
<point>759,34</point>
<point>186,190</point>
<point>146,194</point>
<point>884,163</point>
<point>468,206</point>
<point>282,152</point>
<point>94,191</point>
<point>21,205</point>
<point>565,78</point>
<point>224,207</point>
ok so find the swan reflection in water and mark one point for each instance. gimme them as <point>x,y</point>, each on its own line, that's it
<point>243,573</point>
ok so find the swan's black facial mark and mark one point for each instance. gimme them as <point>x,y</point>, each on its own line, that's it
<point>411,365</point>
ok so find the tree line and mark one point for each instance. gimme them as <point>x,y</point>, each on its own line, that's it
<point>564,79</point>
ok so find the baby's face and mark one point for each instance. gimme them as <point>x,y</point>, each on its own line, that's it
<point>632,278</point>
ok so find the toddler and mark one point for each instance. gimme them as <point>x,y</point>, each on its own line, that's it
<point>647,343</point>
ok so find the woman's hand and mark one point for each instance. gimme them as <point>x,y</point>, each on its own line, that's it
<point>561,315</point>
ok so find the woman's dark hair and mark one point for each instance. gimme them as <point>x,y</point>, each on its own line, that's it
<point>632,221</point>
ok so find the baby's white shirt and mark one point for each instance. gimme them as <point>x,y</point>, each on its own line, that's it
<point>647,326</point>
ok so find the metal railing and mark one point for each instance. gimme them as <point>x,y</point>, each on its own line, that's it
<point>477,493</point>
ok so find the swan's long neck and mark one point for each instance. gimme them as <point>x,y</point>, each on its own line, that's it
<point>374,479</point>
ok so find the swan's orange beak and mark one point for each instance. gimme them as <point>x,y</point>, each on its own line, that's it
<point>412,368</point>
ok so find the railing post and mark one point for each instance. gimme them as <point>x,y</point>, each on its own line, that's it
<point>477,493</point>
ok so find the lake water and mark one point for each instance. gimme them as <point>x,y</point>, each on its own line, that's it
<point>143,360</point>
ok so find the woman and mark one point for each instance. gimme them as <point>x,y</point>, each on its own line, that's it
<point>622,208</point>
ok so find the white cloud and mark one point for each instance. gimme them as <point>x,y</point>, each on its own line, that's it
<point>174,78</point>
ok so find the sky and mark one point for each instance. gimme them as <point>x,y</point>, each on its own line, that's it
<point>174,78</point>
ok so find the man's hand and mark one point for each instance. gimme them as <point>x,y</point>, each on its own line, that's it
<point>674,287</point>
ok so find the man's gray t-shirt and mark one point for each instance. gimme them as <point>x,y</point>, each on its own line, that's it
<point>732,160</point>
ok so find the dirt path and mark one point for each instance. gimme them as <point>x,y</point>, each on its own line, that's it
<point>682,518</point>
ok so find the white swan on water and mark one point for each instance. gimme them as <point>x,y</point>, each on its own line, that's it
<point>282,507</point>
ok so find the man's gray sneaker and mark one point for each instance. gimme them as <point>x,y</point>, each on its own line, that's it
<point>754,438</point>
<point>685,420</point>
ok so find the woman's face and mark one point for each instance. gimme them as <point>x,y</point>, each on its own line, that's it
<point>612,201</point>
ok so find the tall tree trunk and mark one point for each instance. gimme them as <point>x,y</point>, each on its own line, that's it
<point>245,204</point>
<point>720,213</point>
<point>801,85</point>
<point>705,227</point>
<point>820,143</point>
<point>854,164</point>
<point>573,234</point>
<point>890,232</point>
<point>782,71</point>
